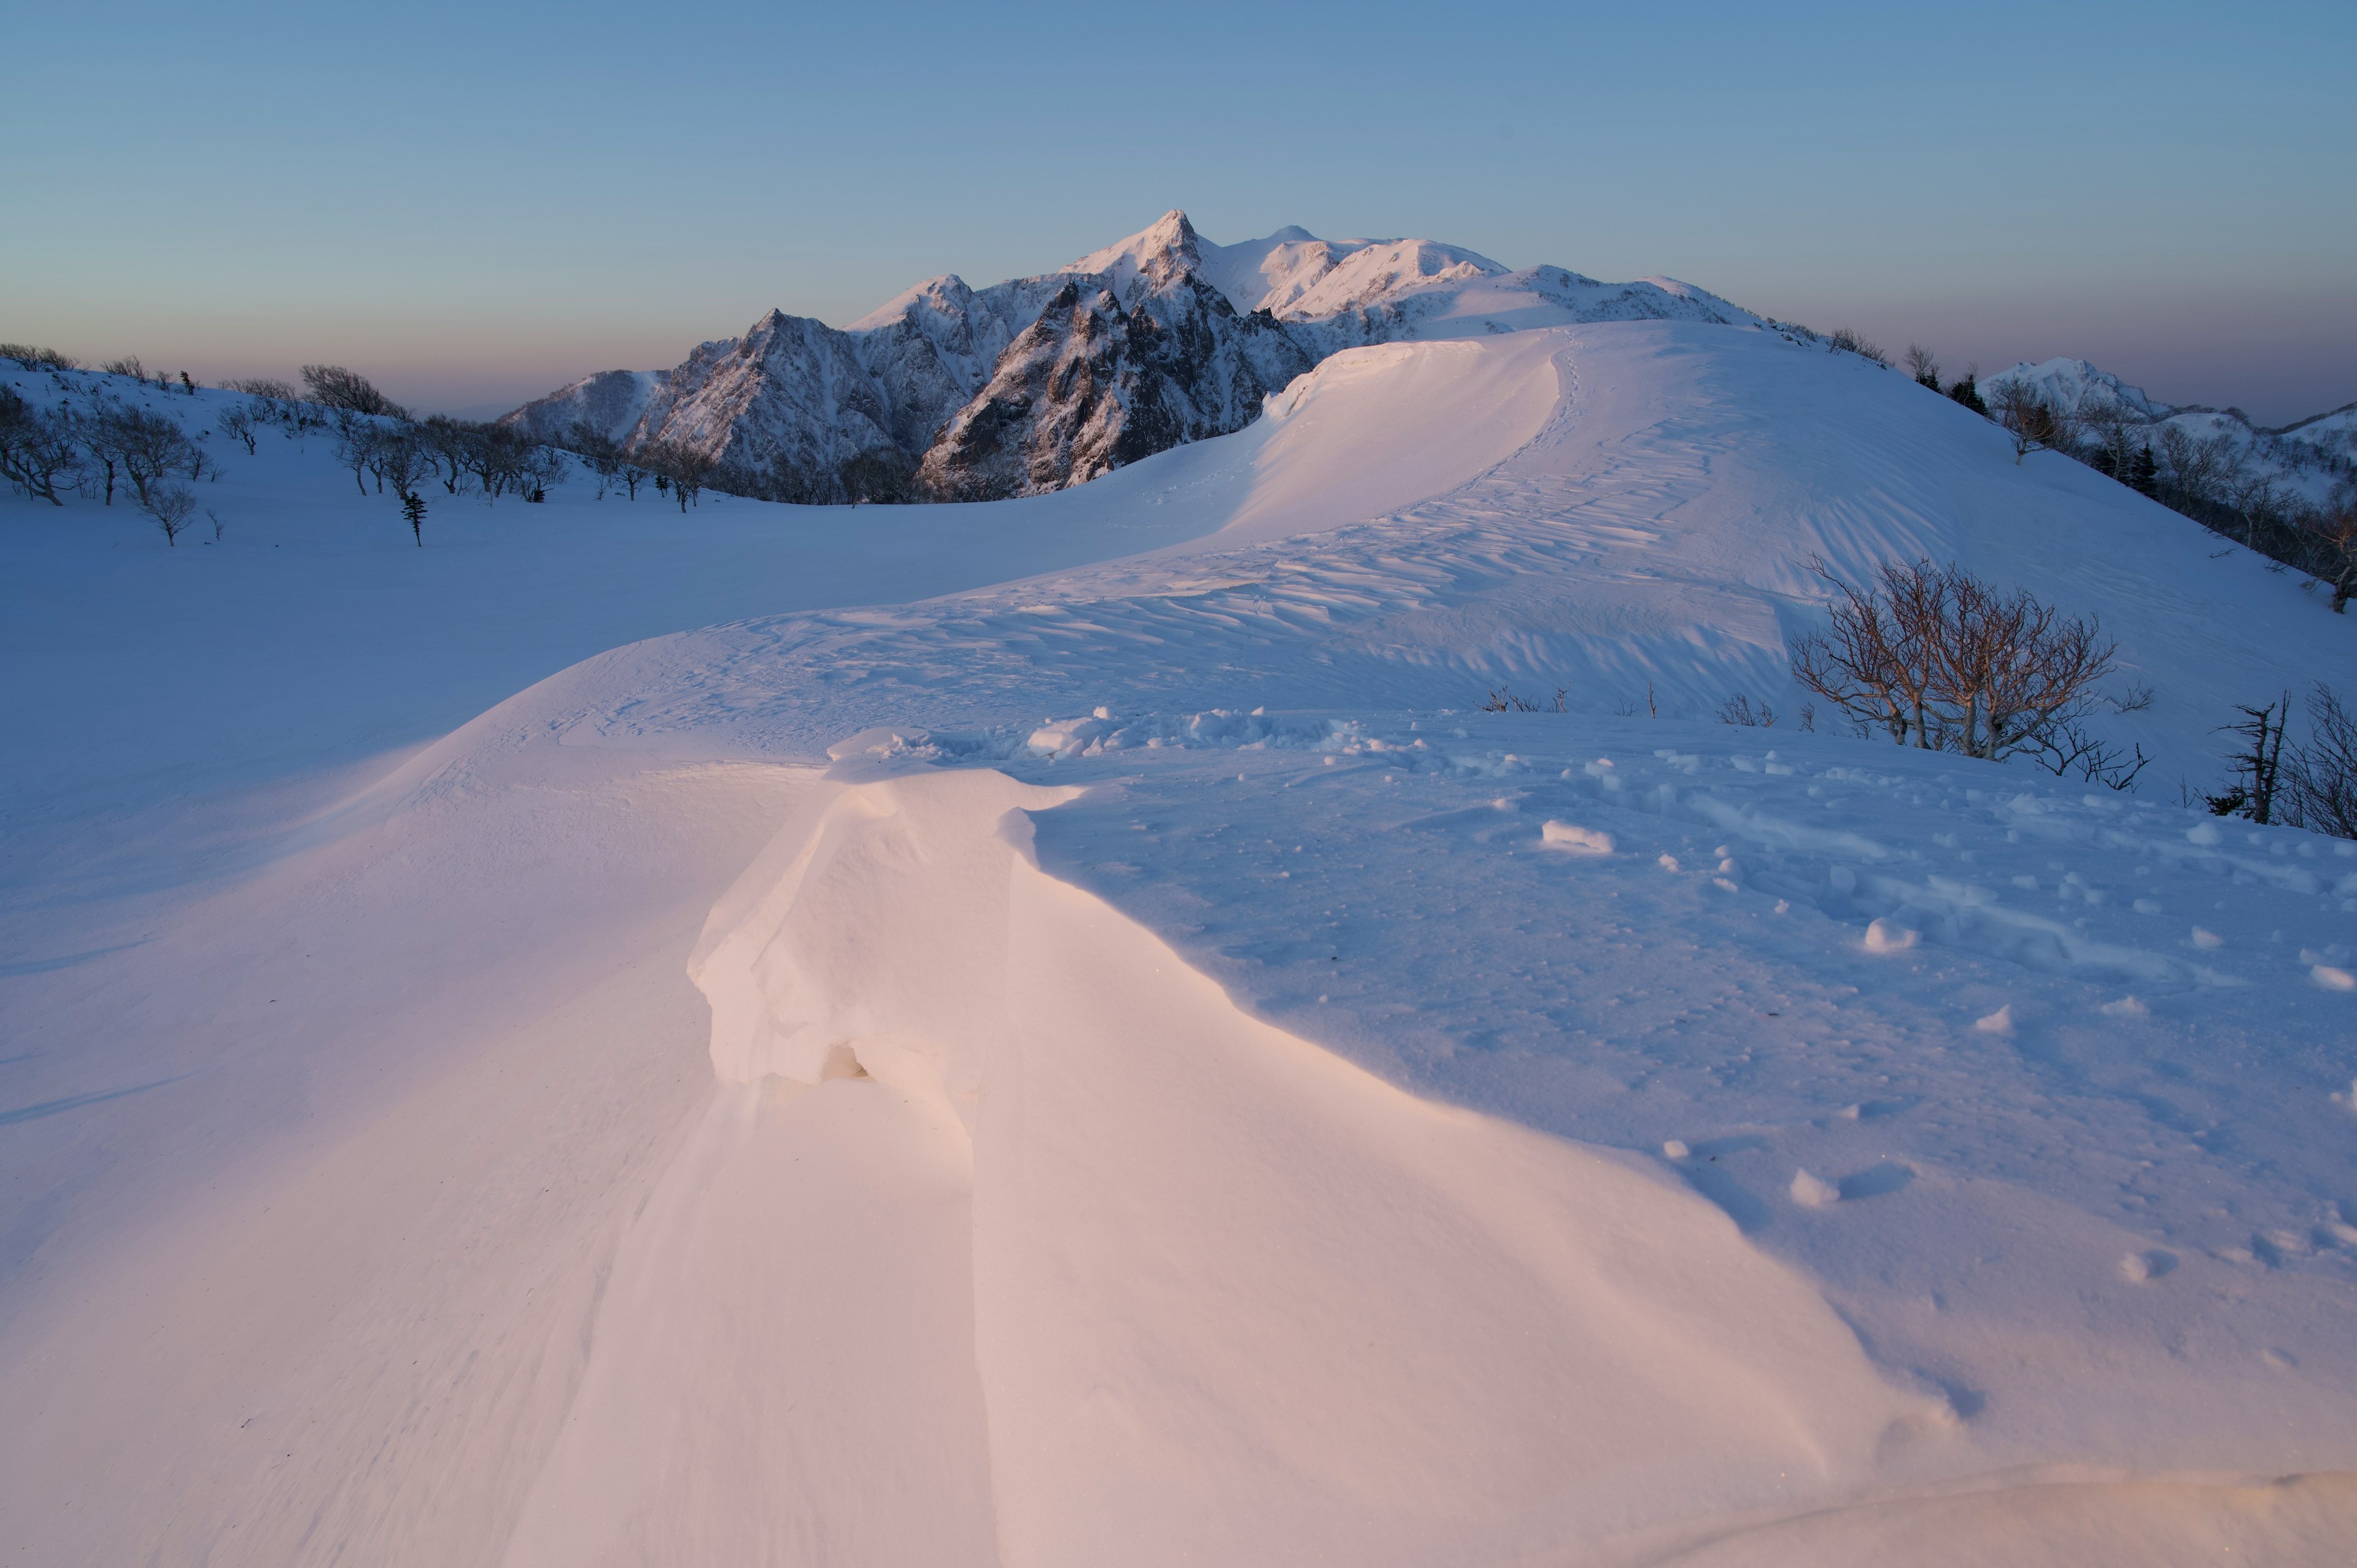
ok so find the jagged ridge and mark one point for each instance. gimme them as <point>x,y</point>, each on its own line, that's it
<point>954,393</point>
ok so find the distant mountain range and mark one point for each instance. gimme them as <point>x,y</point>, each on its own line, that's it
<point>954,393</point>
<point>2308,458</point>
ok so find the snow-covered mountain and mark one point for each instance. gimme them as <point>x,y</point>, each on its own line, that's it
<point>2309,459</point>
<point>1037,383</point>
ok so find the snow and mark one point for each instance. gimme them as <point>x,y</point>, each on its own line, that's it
<point>2311,458</point>
<point>1053,1032</point>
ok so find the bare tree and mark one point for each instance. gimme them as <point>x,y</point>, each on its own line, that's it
<point>536,468</point>
<point>29,357</point>
<point>170,505</point>
<point>2320,792</point>
<point>238,422</point>
<point>1850,342</point>
<point>356,444</point>
<point>36,450</point>
<point>2035,421</point>
<point>262,386</point>
<point>152,448</point>
<point>2258,767</point>
<point>2201,468</point>
<point>1876,661</point>
<point>600,451</point>
<point>400,461</point>
<point>1738,710</point>
<point>2115,431</point>
<point>2338,530</point>
<point>103,436</point>
<point>451,443</point>
<point>684,468</point>
<point>1922,366</point>
<point>332,386</point>
<point>128,365</point>
<point>1945,662</point>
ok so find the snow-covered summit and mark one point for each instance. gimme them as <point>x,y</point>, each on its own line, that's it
<point>919,396</point>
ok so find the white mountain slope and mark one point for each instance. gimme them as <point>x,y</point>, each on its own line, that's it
<point>763,1095</point>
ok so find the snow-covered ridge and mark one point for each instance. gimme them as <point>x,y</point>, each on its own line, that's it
<point>1037,383</point>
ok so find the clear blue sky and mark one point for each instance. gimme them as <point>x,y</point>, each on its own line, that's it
<point>476,202</point>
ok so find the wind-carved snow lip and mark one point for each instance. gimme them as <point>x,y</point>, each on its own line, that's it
<point>1172,1193</point>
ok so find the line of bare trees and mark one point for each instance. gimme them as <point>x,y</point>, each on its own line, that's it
<point>100,446</point>
<point>2208,477</point>
<point>93,441</point>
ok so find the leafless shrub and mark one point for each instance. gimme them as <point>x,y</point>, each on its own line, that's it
<point>398,459</point>
<point>262,386</point>
<point>1737,710</point>
<point>1941,659</point>
<point>37,449</point>
<point>170,505</point>
<point>2035,421</point>
<point>1504,700</point>
<point>128,365</point>
<point>1923,366</point>
<point>238,422</point>
<point>29,357</point>
<point>2203,468</point>
<point>680,467</point>
<point>333,386</point>
<point>150,446</point>
<point>600,451</point>
<point>1850,341</point>
<point>2320,789</point>
<point>2337,530</point>
<point>2258,767</point>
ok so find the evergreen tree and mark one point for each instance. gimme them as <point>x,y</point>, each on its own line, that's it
<point>413,507</point>
<point>2144,471</point>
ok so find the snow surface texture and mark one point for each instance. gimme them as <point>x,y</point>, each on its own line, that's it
<point>1037,383</point>
<point>1156,1083</point>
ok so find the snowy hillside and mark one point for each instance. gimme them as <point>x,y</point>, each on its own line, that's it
<point>2311,460</point>
<point>1055,1032</point>
<point>1037,383</point>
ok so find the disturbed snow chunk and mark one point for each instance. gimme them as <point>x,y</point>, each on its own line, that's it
<point>2125,1007</point>
<point>2333,979</point>
<point>1812,1192</point>
<point>1676,1148</point>
<point>2204,939</point>
<point>1997,1023</point>
<point>1886,936</point>
<point>1573,840</point>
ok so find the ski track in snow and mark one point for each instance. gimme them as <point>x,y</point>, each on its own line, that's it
<point>1993,1132</point>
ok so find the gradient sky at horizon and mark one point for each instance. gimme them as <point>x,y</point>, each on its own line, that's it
<point>476,203</point>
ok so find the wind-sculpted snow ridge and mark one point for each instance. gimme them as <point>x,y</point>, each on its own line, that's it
<point>1354,1323</point>
<point>1038,384</point>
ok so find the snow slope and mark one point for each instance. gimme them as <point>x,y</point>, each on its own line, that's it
<point>947,1079</point>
